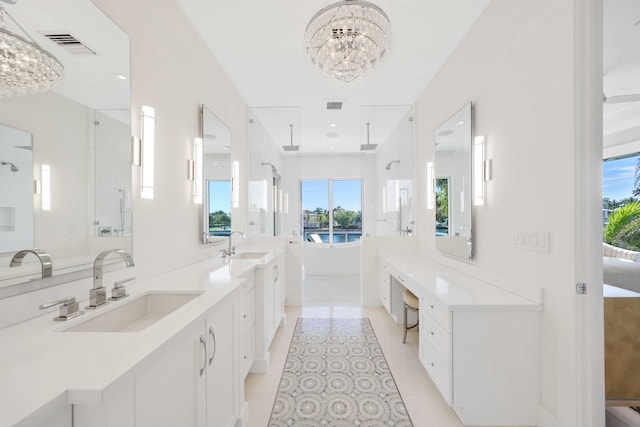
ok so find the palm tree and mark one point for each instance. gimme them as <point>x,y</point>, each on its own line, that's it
<point>623,225</point>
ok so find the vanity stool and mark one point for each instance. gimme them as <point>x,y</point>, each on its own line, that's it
<point>410,303</point>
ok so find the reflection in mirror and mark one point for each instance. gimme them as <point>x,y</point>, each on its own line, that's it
<point>453,185</point>
<point>82,146</point>
<point>16,188</point>
<point>112,153</point>
<point>216,206</point>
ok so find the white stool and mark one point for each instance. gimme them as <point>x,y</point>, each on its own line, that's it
<point>410,303</point>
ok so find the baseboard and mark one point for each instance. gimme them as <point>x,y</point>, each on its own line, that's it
<point>260,365</point>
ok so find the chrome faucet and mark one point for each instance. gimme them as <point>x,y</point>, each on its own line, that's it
<point>45,260</point>
<point>98,295</point>
<point>231,250</point>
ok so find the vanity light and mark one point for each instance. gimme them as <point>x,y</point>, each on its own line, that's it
<point>148,143</point>
<point>235,187</point>
<point>197,171</point>
<point>45,176</point>
<point>430,186</point>
<point>479,175</point>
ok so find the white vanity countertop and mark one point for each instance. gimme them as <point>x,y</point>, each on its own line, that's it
<point>457,290</point>
<point>39,362</point>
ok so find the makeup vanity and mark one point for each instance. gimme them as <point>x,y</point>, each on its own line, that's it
<point>479,344</point>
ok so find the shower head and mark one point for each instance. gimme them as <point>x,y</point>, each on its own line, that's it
<point>13,167</point>
<point>367,146</point>
<point>388,167</point>
<point>273,168</point>
<point>291,147</point>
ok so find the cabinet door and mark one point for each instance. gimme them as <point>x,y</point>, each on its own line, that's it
<point>278,308</point>
<point>222,366</point>
<point>169,387</point>
<point>269,312</point>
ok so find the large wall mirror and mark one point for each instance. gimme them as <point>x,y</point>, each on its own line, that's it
<point>218,175</point>
<point>81,130</point>
<point>454,232</point>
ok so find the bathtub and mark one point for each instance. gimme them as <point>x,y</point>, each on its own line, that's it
<point>330,259</point>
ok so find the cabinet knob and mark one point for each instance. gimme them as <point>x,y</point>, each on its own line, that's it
<point>432,334</point>
<point>244,316</point>
<point>431,306</point>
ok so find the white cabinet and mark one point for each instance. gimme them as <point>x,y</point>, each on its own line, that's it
<point>57,413</point>
<point>221,366</point>
<point>269,299</point>
<point>385,286</point>
<point>169,385</point>
<point>192,380</point>
<point>479,344</point>
<point>247,320</point>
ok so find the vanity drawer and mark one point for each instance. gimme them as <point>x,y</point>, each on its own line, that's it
<point>385,297</point>
<point>247,310</point>
<point>247,351</point>
<point>436,309</point>
<point>437,369</point>
<point>439,338</point>
<point>247,286</point>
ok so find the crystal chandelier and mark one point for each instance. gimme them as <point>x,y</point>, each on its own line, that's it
<point>25,67</point>
<point>348,38</point>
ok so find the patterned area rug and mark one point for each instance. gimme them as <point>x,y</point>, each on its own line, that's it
<point>336,375</point>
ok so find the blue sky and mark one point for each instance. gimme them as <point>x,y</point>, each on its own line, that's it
<point>222,199</point>
<point>618,177</point>
<point>347,194</point>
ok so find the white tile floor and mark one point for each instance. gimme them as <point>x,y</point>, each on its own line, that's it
<point>339,299</point>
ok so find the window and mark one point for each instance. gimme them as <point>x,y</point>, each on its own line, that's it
<point>620,205</point>
<point>332,210</point>
<point>219,201</point>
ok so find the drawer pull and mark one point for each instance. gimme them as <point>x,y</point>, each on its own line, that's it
<point>244,316</point>
<point>431,306</point>
<point>432,364</point>
<point>204,347</point>
<point>432,334</point>
<point>215,347</point>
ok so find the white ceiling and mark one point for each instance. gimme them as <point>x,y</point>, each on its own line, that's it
<point>260,45</point>
<point>621,69</point>
<point>89,79</point>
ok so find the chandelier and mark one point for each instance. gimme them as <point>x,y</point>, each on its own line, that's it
<point>348,38</point>
<point>25,68</point>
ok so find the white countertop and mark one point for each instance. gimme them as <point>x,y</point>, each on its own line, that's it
<point>39,362</point>
<point>457,290</point>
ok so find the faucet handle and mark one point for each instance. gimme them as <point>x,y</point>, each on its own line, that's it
<point>68,310</point>
<point>119,291</point>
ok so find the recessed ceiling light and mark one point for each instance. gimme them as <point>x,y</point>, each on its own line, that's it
<point>460,122</point>
<point>120,76</point>
<point>331,147</point>
<point>332,125</point>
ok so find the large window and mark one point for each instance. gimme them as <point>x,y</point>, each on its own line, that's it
<point>620,205</point>
<point>332,210</point>
<point>219,200</point>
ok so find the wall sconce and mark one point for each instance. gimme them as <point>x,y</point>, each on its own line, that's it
<point>147,152</point>
<point>480,170</point>
<point>197,171</point>
<point>431,195</point>
<point>235,187</point>
<point>45,187</point>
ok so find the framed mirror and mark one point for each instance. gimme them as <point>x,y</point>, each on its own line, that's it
<point>218,179</point>
<point>81,132</point>
<point>453,185</point>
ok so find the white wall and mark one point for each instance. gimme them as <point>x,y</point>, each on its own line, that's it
<point>516,66</point>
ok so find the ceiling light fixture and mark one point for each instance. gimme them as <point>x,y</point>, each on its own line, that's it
<point>25,67</point>
<point>348,38</point>
<point>291,147</point>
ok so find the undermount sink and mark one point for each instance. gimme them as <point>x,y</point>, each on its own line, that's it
<point>250,255</point>
<point>136,314</point>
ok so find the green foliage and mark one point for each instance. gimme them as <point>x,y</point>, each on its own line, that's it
<point>620,227</point>
<point>442,200</point>
<point>219,219</point>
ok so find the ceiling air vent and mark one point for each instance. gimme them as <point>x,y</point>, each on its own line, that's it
<point>70,43</point>
<point>334,105</point>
